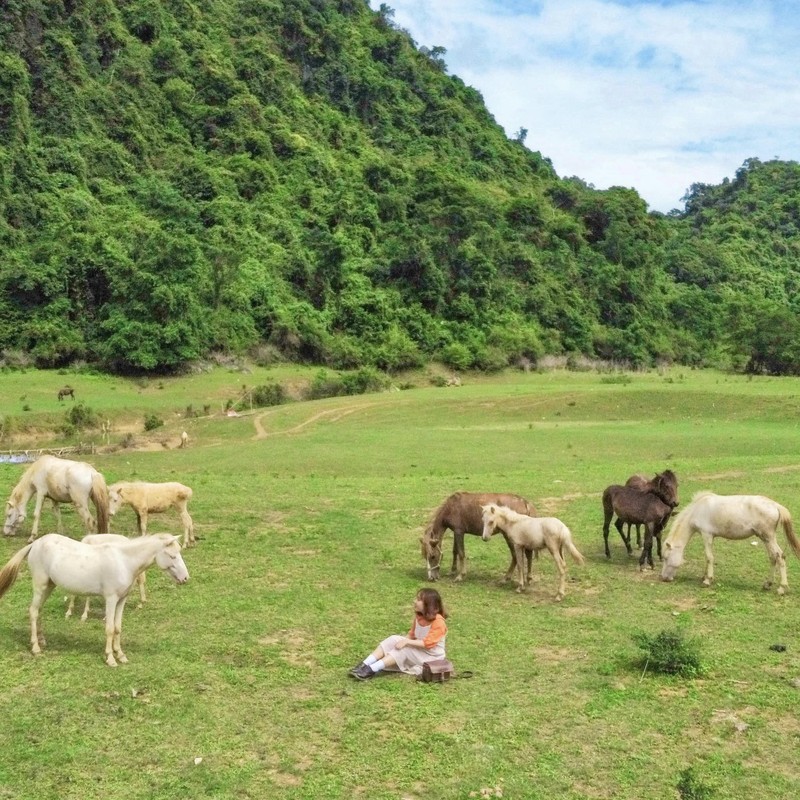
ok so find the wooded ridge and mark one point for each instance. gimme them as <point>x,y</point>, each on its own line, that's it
<point>300,179</point>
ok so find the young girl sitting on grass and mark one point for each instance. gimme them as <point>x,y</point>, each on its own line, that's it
<point>424,642</point>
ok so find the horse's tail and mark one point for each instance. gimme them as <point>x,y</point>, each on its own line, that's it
<point>786,519</point>
<point>99,496</point>
<point>10,571</point>
<point>570,545</point>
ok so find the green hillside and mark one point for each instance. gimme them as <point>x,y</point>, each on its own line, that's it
<point>297,178</point>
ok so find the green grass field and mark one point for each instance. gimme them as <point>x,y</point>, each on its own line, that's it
<point>309,516</point>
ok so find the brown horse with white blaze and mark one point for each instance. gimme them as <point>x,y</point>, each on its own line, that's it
<point>462,513</point>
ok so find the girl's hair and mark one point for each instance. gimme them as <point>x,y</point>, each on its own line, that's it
<point>431,603</point>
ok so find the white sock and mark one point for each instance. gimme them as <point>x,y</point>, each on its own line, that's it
<point>377,666</point>
<point>370,660</point>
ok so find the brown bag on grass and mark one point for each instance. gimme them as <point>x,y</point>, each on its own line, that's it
<point>437,671</point>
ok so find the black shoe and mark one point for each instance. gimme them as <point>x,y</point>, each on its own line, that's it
<point>356,668</point>
<point>363,673</point>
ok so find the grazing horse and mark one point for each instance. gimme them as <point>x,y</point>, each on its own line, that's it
<point>529,534</point>
<point>664,484</point>
<point>67,391</point>
<point>63,481</point>
<point>731,517</point>
<point>99,569</point>
<point>105,538</point>
<point>462,513</point>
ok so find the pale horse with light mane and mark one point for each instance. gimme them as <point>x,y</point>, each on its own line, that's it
<point>108,569</point>
<point>532,534</point>
<point>62,481</point>
<point>153,498</point>
<point>736,516</point>
<point>105,538</point>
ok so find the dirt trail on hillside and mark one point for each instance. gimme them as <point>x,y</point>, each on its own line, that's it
<point>331,414</point>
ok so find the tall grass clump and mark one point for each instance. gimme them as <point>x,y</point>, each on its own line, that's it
<point>691,787</point>
<point>670,652</point>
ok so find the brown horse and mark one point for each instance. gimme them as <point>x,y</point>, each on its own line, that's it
<point>633,506</point>
<point>664,484</point>
<point>462,513</point>
<point>67,391</point>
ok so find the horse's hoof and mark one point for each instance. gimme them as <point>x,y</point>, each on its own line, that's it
<point>111,662</point>
<point>458,579</point>
<point>706,583</point>
<point>781,590</point>
<point>122,658</point>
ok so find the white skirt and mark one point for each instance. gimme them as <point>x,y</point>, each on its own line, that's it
<point>409,659</point>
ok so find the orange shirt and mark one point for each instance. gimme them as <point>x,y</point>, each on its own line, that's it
<point>436,630</point>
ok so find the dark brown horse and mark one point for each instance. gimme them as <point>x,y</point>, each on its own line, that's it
<point>664,484</point>
<point>634,506</point>
<point>67,391</point>
<point>462,513</point>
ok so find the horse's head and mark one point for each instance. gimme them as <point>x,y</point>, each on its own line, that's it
<point>665,487</point>
<point>15,515</point>
<point>114,501</point>
<point>673,558</point>
<point>432,553</point>
<point>169,559</point>
<point>489,522</point>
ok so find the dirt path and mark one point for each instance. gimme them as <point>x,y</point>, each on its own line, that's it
<point>333,414</point>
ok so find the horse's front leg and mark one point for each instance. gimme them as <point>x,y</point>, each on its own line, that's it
<point>188,529</point>
<point>142,593</point>
<point>459,557</point>
<point>57,512</point>
<point>647,548</point>
<point>512,567</point>
<point>37,512</point>
<point>520,558</point>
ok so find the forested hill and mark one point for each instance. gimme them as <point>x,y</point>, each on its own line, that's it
<point>298,176</point>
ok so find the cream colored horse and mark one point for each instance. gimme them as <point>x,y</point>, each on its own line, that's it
<point>532,534</point>
<point>98,569</point>
<point>737,516</point>
<point>63,481</point>
<point>105,538</point>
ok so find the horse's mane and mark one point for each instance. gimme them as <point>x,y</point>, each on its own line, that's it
<point>679,523</point>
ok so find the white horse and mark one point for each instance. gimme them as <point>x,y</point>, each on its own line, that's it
<point>98,569</point>
<point>153,498</point>
<point>62,481</point>
<point>738,516</point>
<point>105,538</point>
<point>531,534</point>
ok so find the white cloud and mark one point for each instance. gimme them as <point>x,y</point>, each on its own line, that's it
<point>654,94</point>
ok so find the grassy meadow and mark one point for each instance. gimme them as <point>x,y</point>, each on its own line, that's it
<point>308,516</point>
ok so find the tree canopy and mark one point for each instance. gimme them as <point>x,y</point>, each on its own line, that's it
<point>196,176</point>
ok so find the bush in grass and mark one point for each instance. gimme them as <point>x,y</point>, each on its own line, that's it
<point>360,382</point>
<point>152,421</point>
<point>269,394</point>
<point>690,787</point>
<point>81,416</point>
<point>670,652</point>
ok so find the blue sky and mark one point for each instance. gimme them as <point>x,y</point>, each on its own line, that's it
<point>650,94</point>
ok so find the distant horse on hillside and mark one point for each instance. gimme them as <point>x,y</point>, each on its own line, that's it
<point>63,481</point>
<point>67,391</point>
<point>462,513</point>
<point>731,517</point>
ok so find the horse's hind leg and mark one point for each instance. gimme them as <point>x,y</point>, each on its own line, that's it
<point>777,561</point>
<point>188,528</point>
<point>626,542</point>
<point>459,557</point>
<point>40,595</point>
<point>112,603</point>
